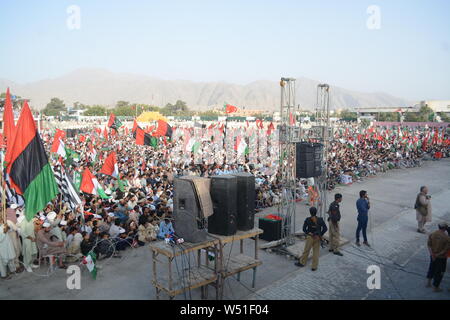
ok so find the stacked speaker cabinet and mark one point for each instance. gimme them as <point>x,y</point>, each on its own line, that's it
<point>245,201</point>
<point>308,159</point>
<point>191,207</point>
<point>224,199</point>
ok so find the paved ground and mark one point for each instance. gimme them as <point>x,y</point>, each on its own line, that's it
<point>398,249</point>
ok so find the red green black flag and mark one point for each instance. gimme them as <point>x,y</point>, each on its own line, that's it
<point>114,122</point>
<point>27,163</point>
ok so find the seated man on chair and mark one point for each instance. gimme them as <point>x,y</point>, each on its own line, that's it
<point>48,247</point>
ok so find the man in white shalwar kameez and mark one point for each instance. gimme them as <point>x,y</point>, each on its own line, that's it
<point>29,248</point>
<point>7,253</point>
<point>14,235</point>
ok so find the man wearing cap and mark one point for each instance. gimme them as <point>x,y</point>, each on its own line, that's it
<point>333,221</point>
<point>438,246</point>
<point>314,228</point>
<point>7,253</point>
<point>48,247</point>
<point>13,234</point>
<point>59,231</point>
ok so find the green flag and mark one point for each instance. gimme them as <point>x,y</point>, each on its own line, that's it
<point>153,142</point>
<point>77,180</point>
<point>122,184</point>
<point>196,146</point>
<point>90,261</point>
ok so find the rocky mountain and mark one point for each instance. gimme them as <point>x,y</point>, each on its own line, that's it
<point>98,86</point>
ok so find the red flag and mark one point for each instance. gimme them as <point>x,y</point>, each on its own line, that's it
<point>140,136</point>
<point>126,131</point>
<point>82,138</point>
<point>9,126</point>
<point>105,134</point>
<point>135,125</point>
<point>58,134</point>
<point>230,109</point>
<point>110,167</point>
<point>291,119</point>
<point>88,182</point>
<point>164,129</point>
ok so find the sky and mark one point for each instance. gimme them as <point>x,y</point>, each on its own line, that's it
<point>402,48</point>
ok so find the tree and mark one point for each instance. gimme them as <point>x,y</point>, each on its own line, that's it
<point>178,109</point>
<point>444,117</point>
<point>95,111</point>
<point>79,106</point>
<point>55,107</point>
<point>425,114</point>
<point>388,116</point>
<point>348,115</point>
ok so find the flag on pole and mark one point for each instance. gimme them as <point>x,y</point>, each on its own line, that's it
<point>89,260</point>
<point>28,168</point>
<point>9,126</point>
<point>230,108</point>
<point>66,187</point>
<point>89,184</point>
<point>135,126</point>
<point>164,129</point>
<point>110,166</point>
<point>145,139</point>
<point>59,135</point>
<point>114,122</point>
<point>77,180</point>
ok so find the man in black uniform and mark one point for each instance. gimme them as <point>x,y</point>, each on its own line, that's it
<point>314,228</point>
<point>334,216</point>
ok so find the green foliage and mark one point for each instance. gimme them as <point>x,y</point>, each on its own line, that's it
<point>425,114</point>
<point>444,117</point>
<point>388,116</point>
<point>209,113</point>
<point>124,110</point>
<point>55,107</point>
<point>95,111</point>
<point>79,106</point>
<point>178,109</point>
<point>348,115</point>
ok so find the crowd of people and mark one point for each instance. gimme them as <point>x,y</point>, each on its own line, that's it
<point>137,205</point>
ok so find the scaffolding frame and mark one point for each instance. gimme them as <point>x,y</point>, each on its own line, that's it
<point>289,134</point>
<point>322,132</point>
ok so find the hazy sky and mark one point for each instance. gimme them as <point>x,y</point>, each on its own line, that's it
<point>236,41</point>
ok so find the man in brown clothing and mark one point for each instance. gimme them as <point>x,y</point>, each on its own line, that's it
<point>438,245</point>
<point>49,247</point>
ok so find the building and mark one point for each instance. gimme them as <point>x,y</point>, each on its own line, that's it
<point>436,105</point>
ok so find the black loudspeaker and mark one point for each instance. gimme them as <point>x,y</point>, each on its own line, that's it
<point>246,201</point>
<point>189,221</point>
<point>224,199</point>
<point>308,159</point>
<point>271,228</point>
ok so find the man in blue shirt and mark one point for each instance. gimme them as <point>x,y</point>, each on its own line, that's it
<point>363,206</point>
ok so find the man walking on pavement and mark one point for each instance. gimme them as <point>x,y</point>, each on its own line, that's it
<point>363,206</point>
<point>423,209</point>
<point>314,228</point>
<point>438,245</point>
<point>334,216</point>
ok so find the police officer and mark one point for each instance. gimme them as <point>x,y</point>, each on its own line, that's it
<point>334,216</point>
<point>314,228</point>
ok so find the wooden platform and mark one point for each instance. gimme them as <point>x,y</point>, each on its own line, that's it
<point>238,264</point>
<point>195,277</point>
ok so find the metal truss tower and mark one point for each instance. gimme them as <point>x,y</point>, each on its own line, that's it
<point>289,134</point>
<point>322,132</point>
